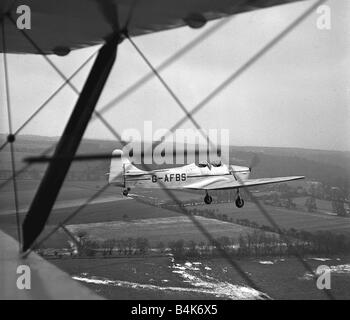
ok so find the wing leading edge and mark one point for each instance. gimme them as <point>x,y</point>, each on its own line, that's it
<point>61,26</point>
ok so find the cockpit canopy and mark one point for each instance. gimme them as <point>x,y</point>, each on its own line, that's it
<point>215,163</point>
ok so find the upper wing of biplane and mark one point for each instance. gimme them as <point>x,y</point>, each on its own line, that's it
<point>220,183</point>
<point>61,26</point>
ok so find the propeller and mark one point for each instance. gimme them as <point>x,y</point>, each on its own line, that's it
<point>254,162</point>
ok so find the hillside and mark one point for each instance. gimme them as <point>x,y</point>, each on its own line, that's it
<point>330,167</point>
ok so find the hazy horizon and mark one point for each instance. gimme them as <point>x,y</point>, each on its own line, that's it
<point>230,145</point>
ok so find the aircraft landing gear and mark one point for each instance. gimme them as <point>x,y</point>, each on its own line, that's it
<point>208,199</point>
<point>126,192</point>
<point>239,201</point>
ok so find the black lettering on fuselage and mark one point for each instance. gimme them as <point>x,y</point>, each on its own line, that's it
<point>174,177</point>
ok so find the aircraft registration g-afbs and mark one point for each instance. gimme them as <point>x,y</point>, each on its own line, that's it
<point>207,176</point>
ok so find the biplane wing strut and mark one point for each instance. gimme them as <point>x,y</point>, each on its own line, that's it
<point>55,174</point>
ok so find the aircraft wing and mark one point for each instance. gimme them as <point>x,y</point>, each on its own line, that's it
<point>47,281</point>
<point>218,183</point>
<point>135,173</point>
<point>61,26</point>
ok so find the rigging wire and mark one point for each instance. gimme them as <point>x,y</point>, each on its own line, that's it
<point>65,221</point>
<point>138,83</point>
<point>58,71</point>
<point>169,61</point>
<point>198,225</point>
<point>249,63</point>
<point>50,98</point>
<point>11,137</point>
<point>170,91</point>
<point>26,166</point>
<point>217,26</point>
<point>241,70</point>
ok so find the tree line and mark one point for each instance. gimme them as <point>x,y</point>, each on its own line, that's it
<point>261,241</point>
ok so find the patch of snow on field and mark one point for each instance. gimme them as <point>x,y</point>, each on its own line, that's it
<point>201,284</point>
<point>321,259</point>
<point>178,266</point>
<point>93,280</point>
<point>178,271</point>
<point>338,269</point>
<point>341,268</point>
<point>266,262</point>
<point>186,266</point>
<point>221,289</point>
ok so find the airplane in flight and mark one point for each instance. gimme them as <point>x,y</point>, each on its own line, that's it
<point>206,176</point>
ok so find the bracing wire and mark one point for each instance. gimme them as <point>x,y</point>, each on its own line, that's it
<point>11,137</point>
<point>50,98</point>
<point>59,72</point>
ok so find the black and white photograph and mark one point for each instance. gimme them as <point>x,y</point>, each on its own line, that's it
<point>170,155</point>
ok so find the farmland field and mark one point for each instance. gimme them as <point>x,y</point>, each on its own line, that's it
<point>160,229</point>
<point>162,278</point>
<point>120,212</point>
<point>289,218</point>
<point>71,191</point>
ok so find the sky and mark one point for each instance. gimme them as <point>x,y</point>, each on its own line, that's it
<point>296,95</point>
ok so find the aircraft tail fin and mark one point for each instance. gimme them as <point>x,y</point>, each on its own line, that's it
<point>119,166</point>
